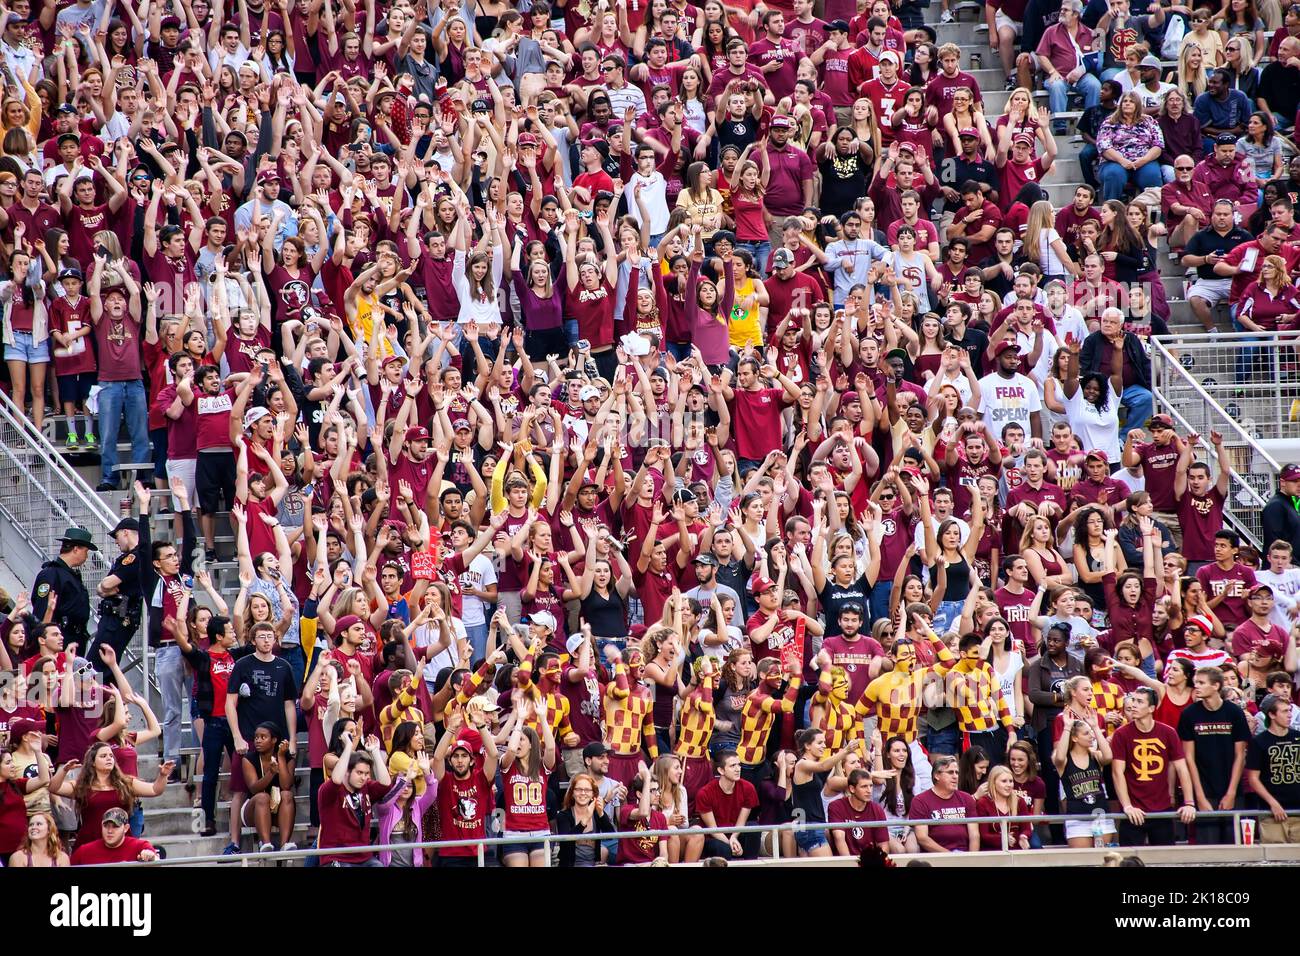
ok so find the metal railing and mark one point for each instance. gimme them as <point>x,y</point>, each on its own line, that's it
<point>549,839</point>
<point>41,496</point>
<point>1194,381</point>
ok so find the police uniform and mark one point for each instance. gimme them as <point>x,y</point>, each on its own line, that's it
<point>121,613</point>
<point>72,612</point>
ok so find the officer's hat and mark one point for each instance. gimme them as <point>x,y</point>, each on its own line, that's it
<point>127,524</point>
<point>80,536</point>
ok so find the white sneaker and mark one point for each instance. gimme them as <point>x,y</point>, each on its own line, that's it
<point>289,846</point>
<point>946,17</point>
<point>266,848</point>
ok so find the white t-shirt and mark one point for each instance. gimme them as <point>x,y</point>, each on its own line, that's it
<point>1286,594</point>
<point>1009,678</point>
<point>655,196</point>
<point>1047,257</point>
<point>1004,400</point>
<point>425,635</point>
<point>1095,428</point>
<point>480,573</point>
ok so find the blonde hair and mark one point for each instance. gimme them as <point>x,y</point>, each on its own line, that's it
<point>1279,270</point>
<point>1193,83</point>
<point>1041,219</point>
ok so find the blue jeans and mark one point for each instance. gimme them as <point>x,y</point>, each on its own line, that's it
<point>946,741</point>
<point>118,400</point>
<point>1087,161</point>
<point>216,740</point>
<point>169,667</point>
<point>760,251</point>
<point>1088,86</point>
<point>477,635</point>
<point>1115,177</point>
<point>571,331</point>
<point>879,602</point>
<point>1139,403</point>
<point>293,656</point>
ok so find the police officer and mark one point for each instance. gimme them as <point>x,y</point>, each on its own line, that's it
<point>122,590</point>
<point>61,578</point>
<point>1280,517</point>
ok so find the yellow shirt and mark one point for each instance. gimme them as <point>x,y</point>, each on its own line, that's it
<point>742,328</point>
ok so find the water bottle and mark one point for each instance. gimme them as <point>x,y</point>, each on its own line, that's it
<point>976,61</point>
<point>1099,827</point>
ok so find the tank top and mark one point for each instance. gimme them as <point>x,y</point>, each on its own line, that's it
<point>742,327</point>
<point>929,362</point>
<point>958,578</point>
<point>662,710</point>
<point>1168,712</point>
<point>1084,788</point>
<point>1052,567</point>
<point>808,798</point>
<point>607,616</point>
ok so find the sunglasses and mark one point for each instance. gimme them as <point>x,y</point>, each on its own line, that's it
<point>1184,169</point>
<point>608,69</point>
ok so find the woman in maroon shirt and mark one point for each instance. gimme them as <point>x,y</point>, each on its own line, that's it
<point>13,808</point>
<point>1130,597</point>
<point>102,785</point>
<point>1271,301</point>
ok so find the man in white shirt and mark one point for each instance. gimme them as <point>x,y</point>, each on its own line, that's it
<point>18,58</point>
<point>1007,396</point>
<point>1285,582</point>
<point>622,94</point>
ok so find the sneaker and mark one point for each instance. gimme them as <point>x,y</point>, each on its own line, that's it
<point>1011,83</point>
<point>106,486</point>
<point>946,17</point>
<point>70,443</point>
<point>210,555</point>
<point>289,846</point>
<point>88,441</point>
<point>1059,127</point>
<point>232,849</point>
<point>210,830</point>
<point>266,848</point>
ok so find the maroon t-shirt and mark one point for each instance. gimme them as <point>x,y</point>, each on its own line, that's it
<point>1015,608</point>
<point>964,476</point>
<point>757,421</point>
<point>899,529</point>
<point>639,849</point>
<point>1250,635</point>
<point>593,309</point>
<point>859,838</point>
<point>855,657</point>
<point>1200,516</point>
<point>96,853</point>
<point>118,345</point>
<point>1159,466</point>
<point>726,807</point>
<point>951,835</point>
<point>1148,758</point>
<point>345,819</point>
<point>1235,582</point>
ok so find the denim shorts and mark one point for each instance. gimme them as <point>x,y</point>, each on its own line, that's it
<point>25,349</point>
<point>510,849</point>
<point>809,840</point>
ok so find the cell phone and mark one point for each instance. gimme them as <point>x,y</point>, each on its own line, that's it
<point>584,345</point>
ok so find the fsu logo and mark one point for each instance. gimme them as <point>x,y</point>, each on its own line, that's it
<point>295,294</point>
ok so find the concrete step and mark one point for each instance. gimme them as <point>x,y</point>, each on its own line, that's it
<point>177,797</point>
<point>186,845</point>
<point>188,821</point>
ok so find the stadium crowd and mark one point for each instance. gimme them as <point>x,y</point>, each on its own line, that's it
<point>644,416</point>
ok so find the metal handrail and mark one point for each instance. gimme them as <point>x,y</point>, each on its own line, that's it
<point>547,838</point>
<point>73,502</point>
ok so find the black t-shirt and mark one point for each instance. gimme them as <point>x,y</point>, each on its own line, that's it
<point>844,179</point>
<point>1215,734</point>
<point>1207,241</point>
<point>834,596</point>
<point>263,687</point>
<point>1278,761</point>
<point>956,170</point>
<point>975,343</point>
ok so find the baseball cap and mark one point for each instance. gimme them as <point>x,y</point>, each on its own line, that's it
<point>890,55</point>
<point>594,749</point>
<point>968,132</point>
<point>1160,421</point>
<point>837,25</point>
<point>896,354</point>
<point>126,524</point>
<point>345,622</point>
<point>1268,649</point>
<point>705,557</point>
<point>460,423</point>
<point>66,108</point>
<point>417,433</point>
<point>267,175</point>
<point>782,258</point>
<point>1290,473</point>
<point>24,726</point>
<point>1260,586</point>
<point>255,415</point>
<point>1100,455</point>
<point>116,816</point>
<point>390,359</point>
<point>527,139</point>
<point>469,740</point>
<point>1026,140</point>
<point>70,273</point>
<point>542,619</point>
<point>591,391</point>
<point>170,23</point>
<point>759,584</point>
<point>782,121</point>
<point>1266,706</point>
<point>1149,62</point>
<point>574,644</point>
<point>1225,139</point>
